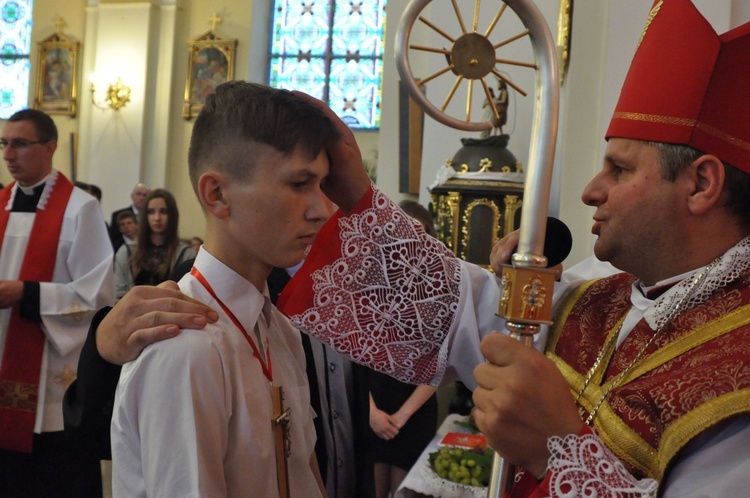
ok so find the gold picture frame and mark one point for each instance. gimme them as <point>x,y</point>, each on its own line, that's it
<point>57,77</point>
<point>564,36</point>
<point>210,63</point>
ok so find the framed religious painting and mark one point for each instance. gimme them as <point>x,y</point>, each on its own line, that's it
<point>57,76</point>
<point>210,63</point>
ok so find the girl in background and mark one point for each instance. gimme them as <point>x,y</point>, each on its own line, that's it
<point>158,249</point>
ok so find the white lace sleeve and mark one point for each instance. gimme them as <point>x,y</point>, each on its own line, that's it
<point>584,466</point>
<point>390,300</point>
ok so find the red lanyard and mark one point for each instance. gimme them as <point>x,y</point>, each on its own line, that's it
<point>265,365</point>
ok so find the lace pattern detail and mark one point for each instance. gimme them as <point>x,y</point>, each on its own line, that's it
<point>582,466</point>
<point>730,266</point>
<point>390,300</point>
<point>48,186</point>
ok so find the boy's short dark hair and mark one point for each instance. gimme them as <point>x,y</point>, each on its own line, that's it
<point>123,215</point>
<point>240,115</point>
<point>44,127</point>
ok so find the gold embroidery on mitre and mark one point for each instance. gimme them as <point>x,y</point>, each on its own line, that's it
<point>654,118</point>
<point>65,377</point>
<point>738,142</point>
<point>650,18</point>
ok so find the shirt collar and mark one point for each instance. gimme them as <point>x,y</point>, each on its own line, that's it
<point>643,296</point>
<point>237,294</point>
<point>654,291</point>
<point>29,190</point>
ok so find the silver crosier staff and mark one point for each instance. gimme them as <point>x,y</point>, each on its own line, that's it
<point>526,284</point>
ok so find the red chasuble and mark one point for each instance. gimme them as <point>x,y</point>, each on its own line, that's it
<point>694,375</point>
<point>24,343</point>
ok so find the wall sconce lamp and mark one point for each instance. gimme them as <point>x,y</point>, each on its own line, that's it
<point>118,95</point>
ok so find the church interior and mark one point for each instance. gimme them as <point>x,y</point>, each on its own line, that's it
<point>146,50</point>
<point>145,45</point>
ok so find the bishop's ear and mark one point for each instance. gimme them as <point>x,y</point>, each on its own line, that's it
<point>708,175</point>
<point>213,194</point>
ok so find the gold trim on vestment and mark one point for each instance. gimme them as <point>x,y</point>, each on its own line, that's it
<point>625,441</point>
<point>613,431</point>
<point>683,430</point>
<point>705,333</point>
<point>563,311</point>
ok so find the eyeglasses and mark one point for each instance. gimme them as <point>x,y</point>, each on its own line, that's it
<point>20,143</point>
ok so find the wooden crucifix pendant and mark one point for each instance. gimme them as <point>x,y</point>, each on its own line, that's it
<point>282,439</point>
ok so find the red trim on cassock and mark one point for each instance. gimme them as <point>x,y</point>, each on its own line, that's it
<point>24,343</point>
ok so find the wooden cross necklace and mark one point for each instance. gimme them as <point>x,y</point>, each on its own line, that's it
<point>281,415</point>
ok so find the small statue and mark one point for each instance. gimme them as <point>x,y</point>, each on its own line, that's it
<point>489,153</point>
<point>500,103</point>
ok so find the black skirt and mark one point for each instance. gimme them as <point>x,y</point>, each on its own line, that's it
<point>403,450</point>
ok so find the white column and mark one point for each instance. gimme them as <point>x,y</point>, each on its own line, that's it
<point>134,41</point>
<point>159,84</point>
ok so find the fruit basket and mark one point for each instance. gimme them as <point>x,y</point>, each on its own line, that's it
<point>469,467</point>
<point>456,464</point>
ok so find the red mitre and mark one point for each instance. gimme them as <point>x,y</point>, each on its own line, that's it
<point>688,85</point>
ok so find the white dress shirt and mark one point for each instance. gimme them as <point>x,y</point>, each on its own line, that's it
<point>193,414</point>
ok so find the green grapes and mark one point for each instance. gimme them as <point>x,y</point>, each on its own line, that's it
<point>469,467</point>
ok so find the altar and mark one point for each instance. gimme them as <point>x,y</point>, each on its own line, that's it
<point>422,481</point>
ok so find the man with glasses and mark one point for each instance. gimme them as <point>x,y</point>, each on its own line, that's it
<point>55,271</point>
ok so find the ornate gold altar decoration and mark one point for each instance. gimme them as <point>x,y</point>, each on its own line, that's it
<point>470,208</point>
<point>472,215</point>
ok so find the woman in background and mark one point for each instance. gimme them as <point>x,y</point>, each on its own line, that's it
<point>158,249</point>
<point>403,417</point>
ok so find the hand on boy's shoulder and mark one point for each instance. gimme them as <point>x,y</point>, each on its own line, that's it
<point>145,315</point>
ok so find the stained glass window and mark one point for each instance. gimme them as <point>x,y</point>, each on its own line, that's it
<point>15,44</point>
<point>333,50</point>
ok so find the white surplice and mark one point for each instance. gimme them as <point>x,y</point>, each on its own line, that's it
<point>193,414</point>
<point>82,283</point>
